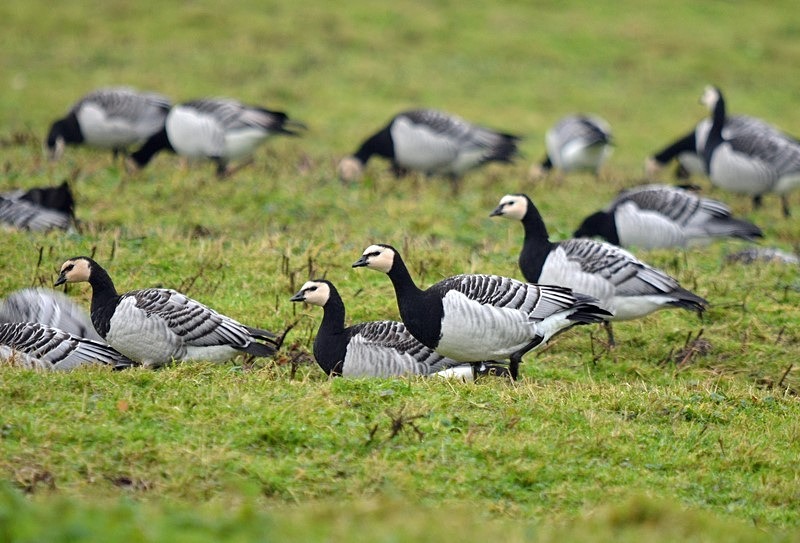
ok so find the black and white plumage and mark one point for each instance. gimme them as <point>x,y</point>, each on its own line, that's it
<point>372,349</point>
<point>432,142</point>
<point>217,129</point>
<point>111,118</point>
<point>625,286</point>
<point>656,216</point>
<point>155,326</point>
<point>49,307</point>
<point>754,163</point>
<point>576,143</point>
<point>38,209</point>
<point>38,346</point>
<point>477,317</point>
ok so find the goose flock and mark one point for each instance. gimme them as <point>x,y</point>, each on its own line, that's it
<point>464,326</point>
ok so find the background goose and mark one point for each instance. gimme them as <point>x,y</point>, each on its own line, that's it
<point>155,326</point>
<point>653,216</point>
<point>431,142</point>
<point>624,285</point>
<point>48,307</point>
<point>370,349</point>
<point>38,346</point>
<point>112,118</point>
<point>754,163</point>
<point>575,143</point>
<point>218,129</point>
<point>476,317</point>
<point>38,209</point>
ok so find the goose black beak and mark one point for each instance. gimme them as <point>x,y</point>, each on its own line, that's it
<point>61,280</point>
<point>361,262</point>
<point>299,297</point>
<point>497,211</point>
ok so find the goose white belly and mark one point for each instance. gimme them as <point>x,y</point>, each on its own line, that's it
<point>242,142</point>
<point>99,130</point>
<point>559,270</point>
<point>193,134</point>
<point>418,148</point>
<point>143,338</point>
<point>740,173</point>
<point>787,183</point>
<point>634,307</point>
<point>576,155</point>
<point>646,229</point>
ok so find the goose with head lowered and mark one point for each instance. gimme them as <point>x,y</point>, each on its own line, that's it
<point>39,209</point>
<point>432,142</point>
<point>216,129</point>
<point>156,326</point>
<point>49,307</point>
<point>110,118</point>
<point>625,286</point>
<point>754,163</point>
<point>38,346</point>
<point>476,317</point>
<point>656,216</point>
<point>575,143</point>
<point>377,348</point>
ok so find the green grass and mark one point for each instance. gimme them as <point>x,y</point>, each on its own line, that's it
<point>652,441</point>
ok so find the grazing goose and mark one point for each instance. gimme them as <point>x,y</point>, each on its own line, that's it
<point>655,216</point>
<point>624,285</point>
<point>475,317</point>
<point>38,209</point>
<point>38,346</point>
<point>48,307</point>
<point>370,349</point>
<point>218,129</point>
<point>431,142</point>
<point>755,163</point>
<point>155,326</point>
<point>575,143</point>
<point>113,118</point>
<point>688,149</point>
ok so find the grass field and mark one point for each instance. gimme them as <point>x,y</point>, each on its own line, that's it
<point>689,430</point>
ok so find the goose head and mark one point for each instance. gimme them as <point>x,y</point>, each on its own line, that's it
<point>511,206</point>
<point>350,169</point>
<point>377,257</point>
<point>711,95</point>
<point>75,270</point>
<point>315,292</point>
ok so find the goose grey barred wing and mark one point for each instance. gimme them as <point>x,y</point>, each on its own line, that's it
<point>46,347</point>
<point>457,129</point>
<point>233,115</point>
<point>48,307</point>
<point>679,205</point>
<point>194,322</point>
<point>392,350</point>
<point>27,216</point>
<point>146,109</point>
<point>583,128</point>
<point>771,146</point>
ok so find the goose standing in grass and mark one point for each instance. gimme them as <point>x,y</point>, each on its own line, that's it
<point>217,129</point>
<point>656,216</point>
<point>373,349</point>
<point>38,209</point>
<point>38,346</point>
<point>477,317</point>
<point>624,285</point>
<point>575,143</point>
<point>432,142</point>
<point>112,118</point>
<point>755,163</point>
<point>49,307</point>
<point>155,326</point>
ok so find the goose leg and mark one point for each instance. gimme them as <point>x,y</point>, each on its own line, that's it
<point>611,342</point>
<point>785,203</point>
<point>516,358</point>
<point>757,200</point>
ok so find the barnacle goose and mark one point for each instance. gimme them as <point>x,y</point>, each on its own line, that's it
<point>218,129</point>
<point>38,346</point>
<point>373,349</point>
<point>38,209</point>
<point>111,118</point>
<point>688,149</point>
<point>755,163</point>
<point>624,285</point>
<point>655,216</point>
<point>431,142</point>
<point>155,326</point>
<point>477,317</point>
<point>575,143</point>
<point>50,307</point>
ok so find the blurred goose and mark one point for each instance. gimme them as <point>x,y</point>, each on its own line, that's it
<point>217,129</point>
<point>38,346</point>
<point>38,209</point>
<point>371,349</point>
<point>49,307</point>
<point>432,142</point>
<point>477,317</point>
<point>575,143</point>
<point>155,326</point>
<point>624,285</point>
<point>755,163</point>
<point>112,118</point>
<point>655,216</point>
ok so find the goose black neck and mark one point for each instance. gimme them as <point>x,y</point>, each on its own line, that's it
<point>67,128</point>
<point>330,345</point>
<point>686,144</point>
<point>420,310</point>
<point>715,133</point>
<point>104,299</point>
<point>380,144</point>
<point>537,245</point>
<point>157,142</point>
